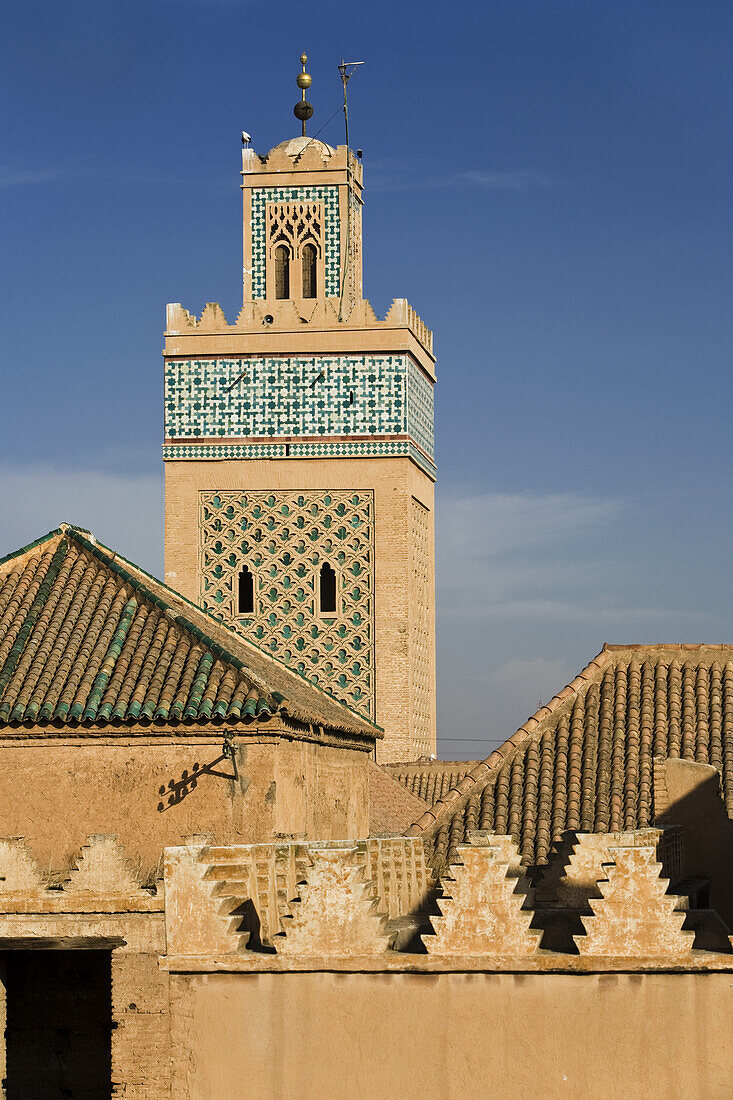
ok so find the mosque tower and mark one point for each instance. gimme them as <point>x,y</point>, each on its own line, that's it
<point>299,461</point>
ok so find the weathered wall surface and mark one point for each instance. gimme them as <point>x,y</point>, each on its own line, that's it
<point>55,795</point>
<point>320,1035</point>
<point>140,1037</point>
<point>693,792</point>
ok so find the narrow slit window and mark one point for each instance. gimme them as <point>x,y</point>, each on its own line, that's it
<point>328,590</point>
<point>308,256</point>
<point>282,272</point>
<point>246,592</point>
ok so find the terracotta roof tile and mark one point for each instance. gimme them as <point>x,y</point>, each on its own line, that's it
<point>586,760</point>
<point>430,780</point>
<point>88,639</point>
<point>391,807</point>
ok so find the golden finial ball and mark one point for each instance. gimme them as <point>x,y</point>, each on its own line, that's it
<point>303,58</point>
<point>303,80</point>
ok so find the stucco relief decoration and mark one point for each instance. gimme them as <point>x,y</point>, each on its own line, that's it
<point>284,538</point>
<point>266,199</point>
<point>294,224</point>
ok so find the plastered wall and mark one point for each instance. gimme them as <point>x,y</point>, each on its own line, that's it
<point>56,795</point>
<point>321,1035</point>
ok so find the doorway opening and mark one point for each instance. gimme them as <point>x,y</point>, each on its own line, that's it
<point>58,1035</point>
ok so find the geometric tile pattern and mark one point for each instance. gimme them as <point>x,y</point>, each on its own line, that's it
<point>342,395</point>
<point>87,640</point>
<point>284,537</point>
<point>330,199</point>
<point>220,451</point>
<point>224,450</point>
<point>420,413</point>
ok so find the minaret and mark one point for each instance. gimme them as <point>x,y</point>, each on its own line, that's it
<point>299,498</point>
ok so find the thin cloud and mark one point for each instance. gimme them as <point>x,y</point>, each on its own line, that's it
<point>478,179</point>
<point>494,524</point>
<point>531,557</point>
<point>505,181</point>
<point>123,511</point>
<point>516,688</point>
<point>16,176</point>
<point>102,174</point>
<point>529,586</point>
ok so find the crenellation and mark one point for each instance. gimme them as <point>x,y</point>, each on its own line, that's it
<point>102,869</point>
<point>485,907</point>
<point>289,315</point>
<point>338,912</point>
<point>210,896</point>
<point>19,873</point>
<point>634,916</point>
<point>305,388</point>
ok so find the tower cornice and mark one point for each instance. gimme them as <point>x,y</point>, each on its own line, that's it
<point>307,330</point>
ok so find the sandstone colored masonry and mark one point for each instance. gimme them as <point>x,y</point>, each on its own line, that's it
<point>300,438</point>
<point>331,1000</point>
<point>244,962</point>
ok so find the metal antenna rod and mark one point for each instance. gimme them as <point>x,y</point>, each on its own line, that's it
<point>347,70</point>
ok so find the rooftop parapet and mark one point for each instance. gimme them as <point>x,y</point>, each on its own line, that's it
<point>289,315</point>
<point>334,900</point>
<point>302,155</point>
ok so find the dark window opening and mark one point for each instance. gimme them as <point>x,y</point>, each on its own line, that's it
<point>351,397</point>
<point>59,1024</point>
<point>309,271</point>
<point>328,590</point>
<point>246,592</point>
<point>282,272</point>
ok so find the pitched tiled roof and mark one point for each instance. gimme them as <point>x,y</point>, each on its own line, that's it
<point>392,809</point>
<point>431,780</point>
<point>585,761</point>
<point>89,639</point>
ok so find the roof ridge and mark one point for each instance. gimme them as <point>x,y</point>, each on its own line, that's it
<point>108,556</point>
<point>32,545</point>
<point>426,763</point>
<point>497,757</point>
<point>658,646</point>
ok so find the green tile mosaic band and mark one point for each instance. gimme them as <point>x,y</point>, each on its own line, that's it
<point>329,196</point>
<point>420,411</point>
<point>225,450</point>
<point>344,395</point>
<point>222,451</point>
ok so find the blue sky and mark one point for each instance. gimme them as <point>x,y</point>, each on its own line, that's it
<point>547,181</point>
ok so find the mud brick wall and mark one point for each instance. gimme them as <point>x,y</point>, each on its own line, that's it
<point>141,1024</point>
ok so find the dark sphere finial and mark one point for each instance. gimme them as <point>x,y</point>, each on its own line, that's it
<point>303,110</point>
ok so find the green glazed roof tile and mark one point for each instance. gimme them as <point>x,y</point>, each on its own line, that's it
<point>87,638</point>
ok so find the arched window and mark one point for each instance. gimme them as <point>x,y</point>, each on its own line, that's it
<point>245,592</point>
<point>308,255</point>
<point>282,272</point>
<point>327,590</point>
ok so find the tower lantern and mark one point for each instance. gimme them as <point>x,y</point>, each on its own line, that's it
<point>299,450</point>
